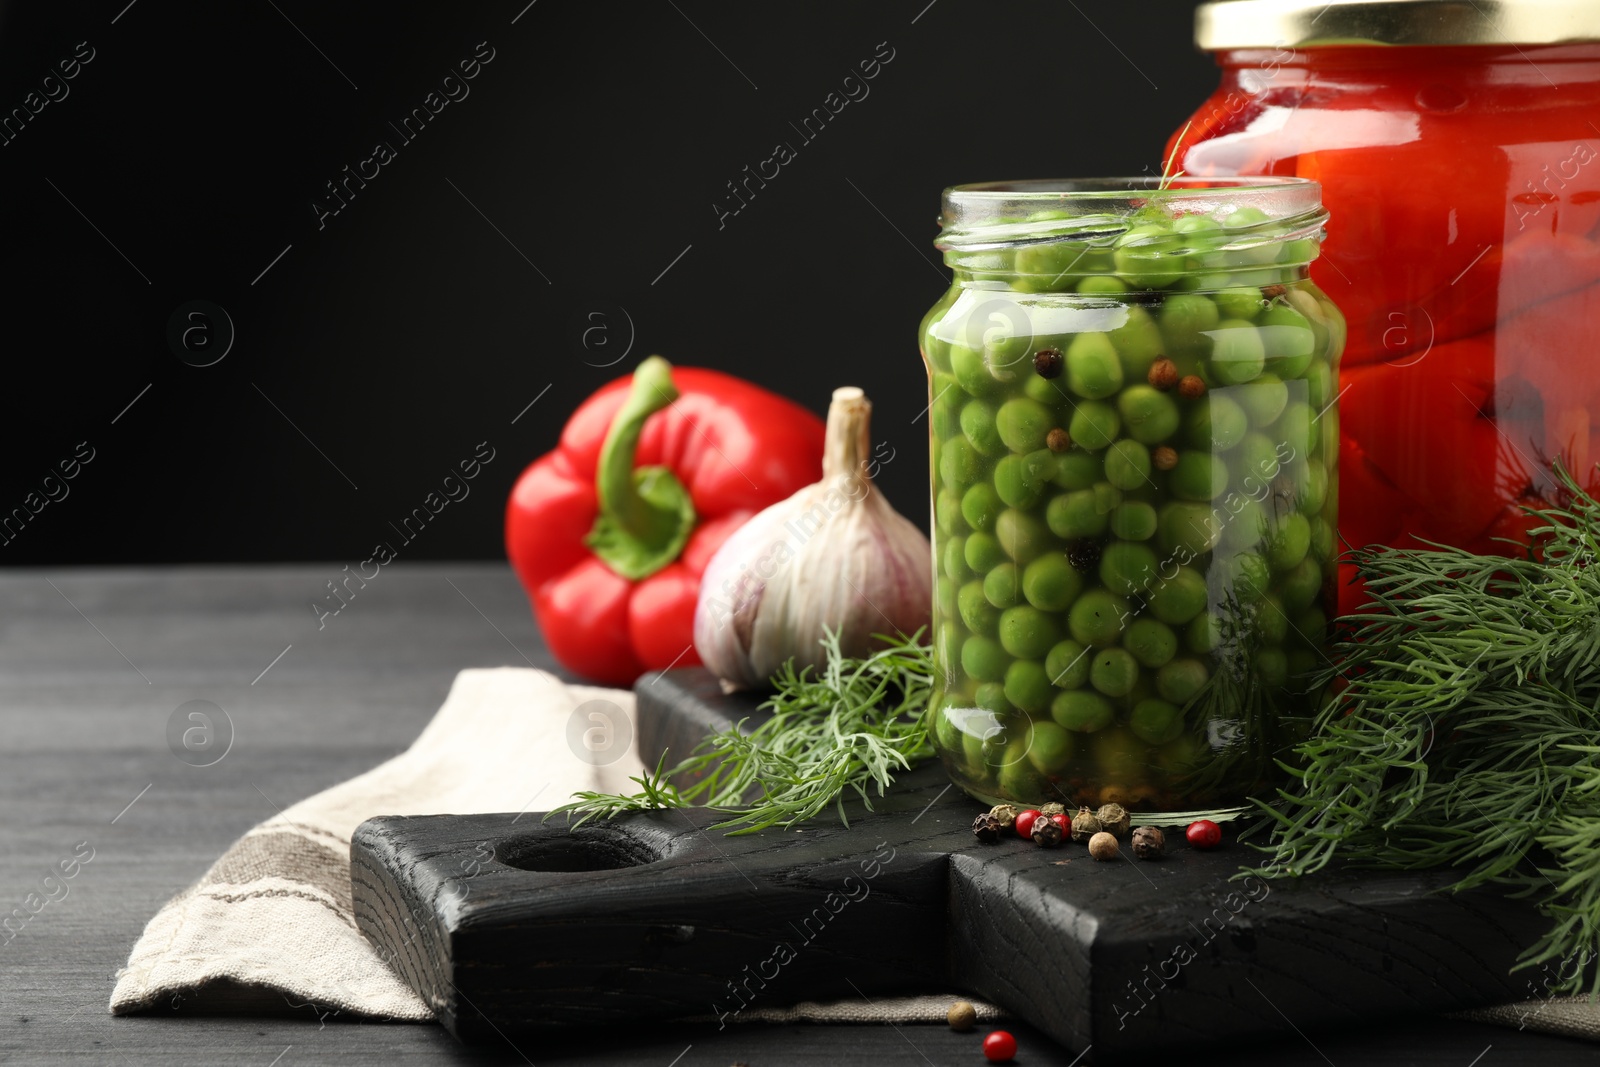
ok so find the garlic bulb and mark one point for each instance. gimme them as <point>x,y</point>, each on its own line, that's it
<point>834,555</point>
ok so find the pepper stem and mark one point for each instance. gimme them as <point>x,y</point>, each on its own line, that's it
<point>646,515</point>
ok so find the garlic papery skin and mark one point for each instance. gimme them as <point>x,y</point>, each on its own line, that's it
<point>834,556</point>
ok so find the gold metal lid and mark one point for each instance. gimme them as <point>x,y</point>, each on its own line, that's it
<point>1311,23</point>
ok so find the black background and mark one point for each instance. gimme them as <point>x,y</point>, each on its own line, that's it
<point>382,347</point>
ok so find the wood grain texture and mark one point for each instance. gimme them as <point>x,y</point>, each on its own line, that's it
<point>1124,956</point>
<point>83,734</point>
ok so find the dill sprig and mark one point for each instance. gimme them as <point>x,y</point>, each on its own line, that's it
<point>1464,731</point>
<point>845,730</point>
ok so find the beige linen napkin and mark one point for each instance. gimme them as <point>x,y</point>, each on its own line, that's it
<point>269,927</point>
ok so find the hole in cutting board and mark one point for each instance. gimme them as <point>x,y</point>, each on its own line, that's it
<point>584,849</point>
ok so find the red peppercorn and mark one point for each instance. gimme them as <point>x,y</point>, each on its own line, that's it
<point>1025,823</point>
<point>999,1047</point>
<point>1163,374</point>
<point>1191,387</point>
<point>1163,457</point>
<point>1062,821</point>
<point>1203,833</point>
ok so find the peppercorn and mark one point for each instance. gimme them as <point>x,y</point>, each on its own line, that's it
<point>1046,832</point>
<point>1024,823</point>
<point>1084,555</point>
<point>1052,809</point>
<point>1005,815</point>
<point>1047,363</point>
<point>1191,387</point>
<point>961,1016</point>
<point>1273,291</point>
<point>1057,440</point>
<point>1148,842</point>
<point>1164,458</point>
<point>1103,846</point>
<point>1085,825</point>
<point>1114,818</point>
<point>986,828</point>
<point>1163,374</point>
<point>1203,833</point>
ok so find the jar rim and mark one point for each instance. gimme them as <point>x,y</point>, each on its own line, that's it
<point>1227,24</point>
<point>1055,189</point>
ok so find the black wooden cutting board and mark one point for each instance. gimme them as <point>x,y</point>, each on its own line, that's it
<point>504,923</point>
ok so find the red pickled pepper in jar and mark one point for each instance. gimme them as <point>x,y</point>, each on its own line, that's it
<point>1463,183</point>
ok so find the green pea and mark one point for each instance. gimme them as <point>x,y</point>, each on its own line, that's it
<point>1102,285</point>
<point>1301,586</point>
<point>1050,583</point>
<point>1288,544</point>
<point>1201,231</point>
<point>978,423</point>
<point>1321,539</point>
<point>1014,484</point>
<point>1050,748</point>
<point>1027,685</point>
<point>1148,256</point>
<point>1027,632</point>
<point>1149,415</point>
<point>991,696</point>
<point>1319,385</point>
<point>1198,476</point>
<point>1272,625</point>
<point>1082,711</point>
<point>947,513</point>
<point>1093,369</point>
<point>1271,667</point>
<point>1074,515</point>
<point>1023,424</point>
<point>1002,587</point>
<point>980,506</point>
<point>983,659</point>
<point>1133,520</point>
<point>1127,567</point>
<point>1050,263</point>
<point>1007,355</point>
<point>945,398</point>
<point>1239,302</point>
<point>1294,429</point>
<point>1094,425</point>
<point>1237,355</point>
<point>959,464</point>
<point>935,349</point>
<point>1128,465</point>
<point>1263,400</point>
<point>970,372</point>
<point>1097,618</point>
<point>1185,320</point>
<point>983,552</point>
<point>1078,469</point>
<point>1180,598</point>
<point>1245,525</point>
<point>1106,497</point>
<point>1190,528</point>
<point>1018,777</point>
<point>1311,626</point>
<point>977,612</point>
<point>1246,216</point>
<point>1181,680</point>
<point>1255,461</point>
<point>1203,634</point>
<point>1046,391</point>
<point>1183,756</point>
<point>1113,672</point>
<point>1021,535</point>
<point>1155,722</point>
<point>1244,577</point>
<point>1120,756</point>
<point>1312,491</point>
<point>944,597</point>
<point>955,559</point>
<point>1138,342</point>
<point>1215,423</point>
<point>1150,642</point>
<point>947,646</point>
<point>1288,339</point>
<point>1067,664</point>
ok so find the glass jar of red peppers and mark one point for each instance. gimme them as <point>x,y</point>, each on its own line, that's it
<point>1458,147</point>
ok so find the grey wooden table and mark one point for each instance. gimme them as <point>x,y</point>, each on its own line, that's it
<point>94,662</point>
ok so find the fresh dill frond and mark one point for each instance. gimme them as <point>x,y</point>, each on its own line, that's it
<point>844,731</point>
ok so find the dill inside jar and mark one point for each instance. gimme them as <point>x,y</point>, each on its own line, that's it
<point>1134,430</point>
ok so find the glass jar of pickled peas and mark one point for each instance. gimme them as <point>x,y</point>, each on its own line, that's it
<point>1134,431</point>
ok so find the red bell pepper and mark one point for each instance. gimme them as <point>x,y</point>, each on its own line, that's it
<point>611,531</point>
